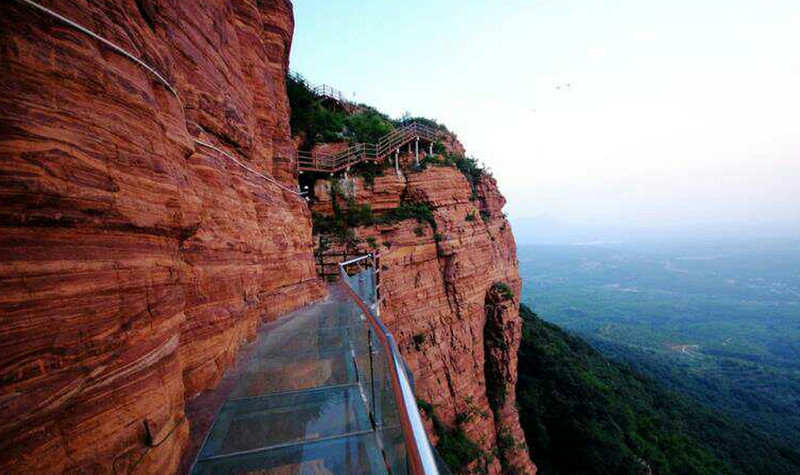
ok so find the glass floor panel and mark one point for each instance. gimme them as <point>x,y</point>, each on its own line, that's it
<point>294,341</point>
<point>356,454</point>
<point>323,315</point>
<point>273,420</point>
<point>295,372</point>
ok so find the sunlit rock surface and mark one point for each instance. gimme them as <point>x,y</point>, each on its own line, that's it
<point>438,301</point>
<point>133,263</point>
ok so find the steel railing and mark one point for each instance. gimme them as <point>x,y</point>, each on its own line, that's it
<point>414,454</point>
<point>322,91</point>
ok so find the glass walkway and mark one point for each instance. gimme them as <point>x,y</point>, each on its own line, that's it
<point>321,394</point>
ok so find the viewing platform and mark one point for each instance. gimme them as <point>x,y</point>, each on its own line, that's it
<point>325,391</point>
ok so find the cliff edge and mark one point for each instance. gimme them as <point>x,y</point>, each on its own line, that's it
<point>450,287</point>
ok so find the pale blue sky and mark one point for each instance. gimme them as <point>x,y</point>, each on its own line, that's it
<point>678,112</point>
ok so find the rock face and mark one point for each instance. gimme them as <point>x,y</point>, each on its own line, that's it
<point>133,262</point>
<point>457,332</point>
<point>382,195</point>
<point>437,288</point>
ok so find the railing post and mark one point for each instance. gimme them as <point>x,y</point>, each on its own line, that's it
<point>374,416</point>
<point>430,149</point>
<point>397,162</point>
<point>416,150</point>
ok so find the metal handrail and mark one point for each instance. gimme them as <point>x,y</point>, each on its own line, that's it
<point>420,455</point>
<point>321,90</point>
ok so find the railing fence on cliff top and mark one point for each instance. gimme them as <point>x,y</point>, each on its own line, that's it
<point>154,72</point>
<point>324,91</point>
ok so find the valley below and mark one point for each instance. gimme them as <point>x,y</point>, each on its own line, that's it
<point>718,322</point>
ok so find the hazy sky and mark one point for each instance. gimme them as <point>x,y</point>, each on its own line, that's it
<point>605,112</point>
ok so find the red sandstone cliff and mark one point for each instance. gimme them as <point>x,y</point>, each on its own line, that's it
<point>133,263</point>
<point>458,334</point>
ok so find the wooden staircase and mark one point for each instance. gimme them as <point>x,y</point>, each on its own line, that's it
<point>362,152</point>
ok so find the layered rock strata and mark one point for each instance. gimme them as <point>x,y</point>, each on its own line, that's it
<point>458,335</point>
<point>133,263</point>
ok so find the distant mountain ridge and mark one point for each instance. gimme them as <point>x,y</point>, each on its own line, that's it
<point>545,229</point>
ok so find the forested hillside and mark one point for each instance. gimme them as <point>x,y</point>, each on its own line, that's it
<point>583,413</point>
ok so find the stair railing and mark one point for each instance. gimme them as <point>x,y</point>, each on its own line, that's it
<point>360,152</point>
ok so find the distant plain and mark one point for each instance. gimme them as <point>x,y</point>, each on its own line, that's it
<point>717,320</point>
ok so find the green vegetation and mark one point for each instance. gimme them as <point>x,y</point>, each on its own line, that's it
<point>456,449</point>
<point>422,212</point>
<point>331,226</point>
<point>503,290</point>
<point>310,118</point>
<point>369,170</point>
<point>472,170</point>
<point>421,120</point>
<point>583,413</point>
<point>316,123</point>
<point>345,218</point>
<point>348,214</point>
<point>367,126</point>
<point>454,446</point>
<point>715,321</point>
<point>470,216</point>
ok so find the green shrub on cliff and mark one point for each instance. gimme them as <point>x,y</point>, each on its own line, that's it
<point>422,212</point>
<point>456,448</point>
<point>319,122</point>
<point>309,118</point>
<point>347,214</point>
<point>503,290</point>
<point>367,126</point>
<point>420,120</point>
<point>472,170</point>
<point>328,225</point>
<point>369,170</point>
